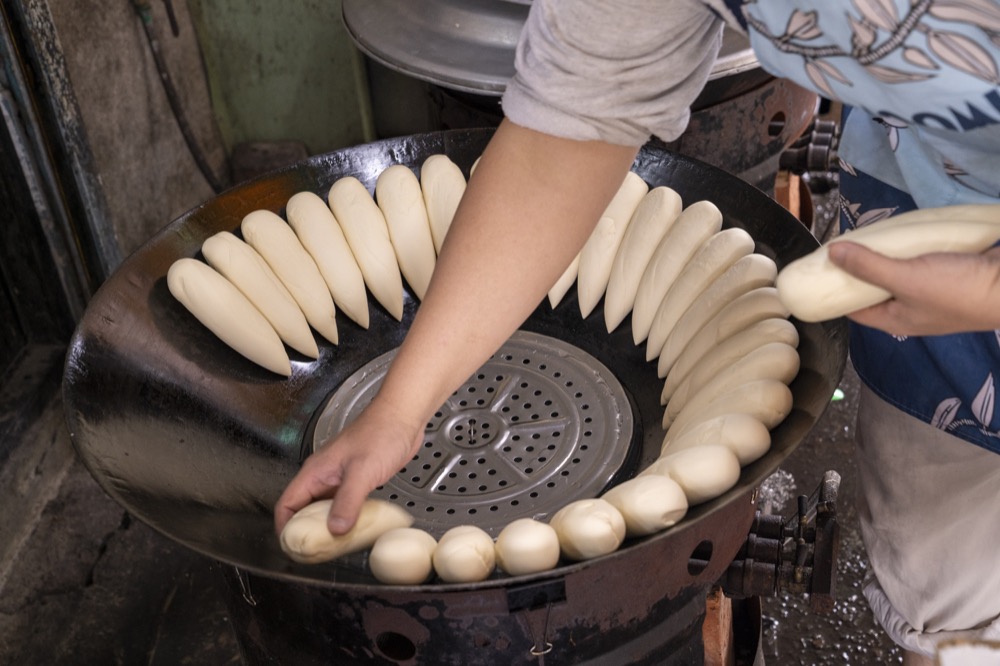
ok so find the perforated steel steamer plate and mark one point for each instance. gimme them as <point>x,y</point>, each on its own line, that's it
<point>541,424</point>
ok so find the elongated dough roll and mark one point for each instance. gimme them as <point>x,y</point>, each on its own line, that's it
<point>653,218</point>
<point>694,226</point>
<point>306,538</point>
<point>744,435</point>
<point>565,281</point>
<point>598,254</point>
<point>247,271</point>
<point>767,400</point>
<point>753,306</point>
<point>712,259</point>
<point>588,528</point>
<point>464,554</point>
<point>368,235</point>
<point>749,273</point>
<point>277,243</point>
<point>402,556</point>
<point>398,195</point>
<point>527,546</point>
<point>443,186</point>
<point>727,352</point>
<point>774,360</point>
<point>814,289</point>
<point>648,503</point>
<point>703,472</point>
<point>225,311</point>
<point>320,234</point>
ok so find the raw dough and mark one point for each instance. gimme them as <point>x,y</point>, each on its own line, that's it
<point>225,311</point>
<point>768,400</point>
<point>703,472</point>
<point>588,528</point>
<point>465,554</point>
<point>402,556</point>
<point>527,546</point>
<point>306,538</point>
<point>565,281</point>
<point>742,434</point>
<point>398,194</point>
<point>648,503</point>
<point>443,186</point>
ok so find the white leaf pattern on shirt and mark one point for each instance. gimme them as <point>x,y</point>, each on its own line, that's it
<point>982,405</point>
<point>945,413</point>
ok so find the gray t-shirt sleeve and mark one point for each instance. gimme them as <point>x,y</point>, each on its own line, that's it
<point>617,71</point>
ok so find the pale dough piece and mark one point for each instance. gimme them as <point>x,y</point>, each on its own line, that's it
<point>402,556</point>
<point>443,186</point>
<point>565,281</point>
<point>767,400</point>
<point>320,233</point>
<point>225,311</point>
<point>465,554</point>
<point>648,503</point>
<point>398,195</point>
<point>368,235</point>
<point>703,472</point>
<point>277,243</point>
<point>588,528</point>
<point>718,253</point>
<point>247,271</point>
<point>773,360</point>
<point>814,289</point>
<point>727,352</point>
<point>753,306</point>
<point>306,538</point>
<point>694,226</point>
<point>527,546</point>
<point>744,435</point>
<point>748,273</point>
<point>598,253</point>
<point>653,218</point>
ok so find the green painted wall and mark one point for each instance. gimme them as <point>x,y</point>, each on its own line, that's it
<point>283,70</point>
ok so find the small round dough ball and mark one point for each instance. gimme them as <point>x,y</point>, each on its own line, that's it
<point>527,546</point>
<point>704,472</point>
<point>402,556</point>
<point>648,503</point>
<point>588,528</point>
<point>464,554</point>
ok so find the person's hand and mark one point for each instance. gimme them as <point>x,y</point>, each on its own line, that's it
<point>933,294</point>
<point>368,452</point>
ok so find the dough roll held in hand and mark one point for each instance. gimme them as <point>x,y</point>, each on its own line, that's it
<point>398,195</point>
<point>368,235</point>
<point>277,243</point>
<point>225,311</point>
<point>814,289</point>
<point>321,236</point>
<point>465,554</point>
<point>402,556</point>
<point>527,546</point>
<point>247,271</point>
<point>588,528</point>
<point>648,503</point>
<point>443,187</point>
<point>306,538</point>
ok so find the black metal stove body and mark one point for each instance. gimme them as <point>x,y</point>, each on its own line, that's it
<point>198,442</point>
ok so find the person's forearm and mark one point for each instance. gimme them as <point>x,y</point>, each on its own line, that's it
<point>532,204</point>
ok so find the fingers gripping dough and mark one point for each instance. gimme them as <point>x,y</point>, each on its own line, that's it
<point>703,472</point>
<point>767,400</point>
<point>588,528</point>
<point>443,186</point>
<point>527,546</point>
<point>368,235</point>
<point>225,311</point>
<point>306,538</point>
<point>727,352</point>
<point>321,236</point>
<point>398,194</point>
<point>277,243</point>
<point>653,218</point>
<point>694,226</point>
<point>774,360</point>
<point>814,289</point>
<point>598,254</point>
<point>648,503</point>
<point>718,253</point>
<point>465,554</point>
<point>402,556</point>
<point>565,281</point>
<point>246,269</point>
<point>750,272</point>
<point>745,436</point>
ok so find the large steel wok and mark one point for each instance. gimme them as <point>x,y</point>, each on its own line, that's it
<point>198,442</point>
